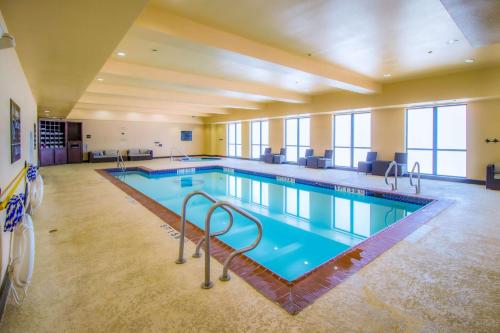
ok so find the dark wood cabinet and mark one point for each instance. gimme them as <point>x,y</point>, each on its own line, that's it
<point>60,142</point>
<point>75,150</point>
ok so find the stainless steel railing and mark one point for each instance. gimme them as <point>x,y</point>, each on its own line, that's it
<point>412,172</point>
<point>178,151</point>
<point>180,259</point>
<point>394,186</point>
<point>207,284</point>
<point>120,163</point>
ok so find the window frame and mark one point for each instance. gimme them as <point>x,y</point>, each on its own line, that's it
<point>298,146</point>
<point>260,145</point>
<point>235,144</point>
<point>435,150</point>
<point>351,147</point>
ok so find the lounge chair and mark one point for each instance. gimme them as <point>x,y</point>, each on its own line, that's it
<point>281,157</point>
<point>303,160</point>
<point>493,176</point>
<point>267,152</point>
<point>109,155</point>
<point>139,154</point>
<point>321,162</point>
<point>366,166</point>
<point>379,167</point>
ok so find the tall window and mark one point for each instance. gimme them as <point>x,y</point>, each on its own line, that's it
<point>259,137</point>
<point>436,138</point>
<point>352,138</point>
<point>297,138</point>
<point>234,139</point>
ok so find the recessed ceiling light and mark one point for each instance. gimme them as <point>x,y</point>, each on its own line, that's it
<point>469,61</point>
<point>121,54</point>
<point>452,41</point>
<point>100,79</point>
<point>387,75</point>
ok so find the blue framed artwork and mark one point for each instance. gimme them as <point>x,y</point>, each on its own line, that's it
<point>186,135</point>
<point>15,132</point>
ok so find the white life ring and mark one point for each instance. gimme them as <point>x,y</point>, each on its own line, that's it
<point>22,257</point>
<point>36,192</point>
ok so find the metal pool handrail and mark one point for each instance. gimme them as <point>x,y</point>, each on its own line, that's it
<point>180,259</point>
<point>207,284</point>
<point>417,185</point>
<point>394,186</point>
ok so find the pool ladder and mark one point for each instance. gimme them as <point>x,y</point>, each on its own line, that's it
<point>394,185</point>
<point>205,241</point>
<point>120,163</point>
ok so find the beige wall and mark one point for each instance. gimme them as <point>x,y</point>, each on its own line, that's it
<point>483,121</point>
<point>106,134</point>
<point>13,85</point>
<point>478,89</point>
<point>388,132</point>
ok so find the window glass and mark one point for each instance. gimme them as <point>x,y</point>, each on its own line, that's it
<point>265,132</point>
<point>231,134</point>
<point>291,132</point>
<point>451,163</point>
<point>304,130</point>
<point>362,130</point>
<point>238,133</point>
<point>420,122</point>
<point>443,139</point>
<point>343,130</point>
<point>451,127</point>
<point>424,157</point>
<point>255,133</point>
<point>291,153</point>
<point>342,157</point>
<point>256,151</point>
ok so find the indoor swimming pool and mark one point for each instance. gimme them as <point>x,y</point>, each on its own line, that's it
<point>305,224</point>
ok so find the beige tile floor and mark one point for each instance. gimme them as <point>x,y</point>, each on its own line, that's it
<point>109,268</point>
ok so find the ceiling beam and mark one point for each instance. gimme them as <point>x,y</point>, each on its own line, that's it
<point>132,116</point>
<point>173,96</point>
<point>130,70</point>
<point>126,108</point>
<point>159,20</point>
<point>145,103</point>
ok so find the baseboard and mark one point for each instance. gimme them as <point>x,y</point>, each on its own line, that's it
<point>4,295</point>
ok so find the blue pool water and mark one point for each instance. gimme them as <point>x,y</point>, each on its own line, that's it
<point>303,226</point>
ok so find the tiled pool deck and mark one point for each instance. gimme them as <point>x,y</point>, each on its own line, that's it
<point>104,263</point>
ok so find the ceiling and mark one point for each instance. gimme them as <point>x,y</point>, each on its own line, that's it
<point>184,60</point>
<point>63,44</point>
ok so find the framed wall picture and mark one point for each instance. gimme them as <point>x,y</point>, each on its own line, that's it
<point>186,136</point>
<point>15,132</point>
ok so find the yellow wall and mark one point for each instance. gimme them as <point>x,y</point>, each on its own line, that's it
<point>478,89</point>
<point>483,121</point>
<point>388,132</point>
<point>13,85</point>
<point>106,134</point>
